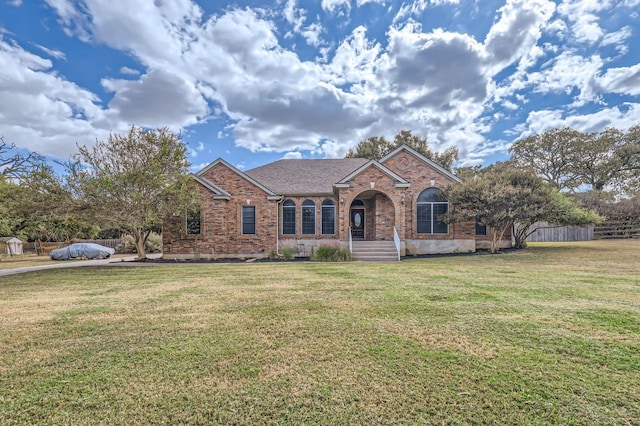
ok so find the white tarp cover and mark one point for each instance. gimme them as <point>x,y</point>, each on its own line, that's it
<point>80,250</point>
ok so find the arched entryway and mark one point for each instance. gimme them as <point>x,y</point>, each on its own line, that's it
<point>372,217</point>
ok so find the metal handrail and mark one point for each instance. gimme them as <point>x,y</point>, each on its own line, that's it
<point>350,242</point>
<point>396,240</point>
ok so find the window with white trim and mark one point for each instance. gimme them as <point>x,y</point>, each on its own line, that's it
<point>248,220</point>
<point>308,217</point>
<point>289,217</point>
<point>328,217</point>
<point>431,208</point>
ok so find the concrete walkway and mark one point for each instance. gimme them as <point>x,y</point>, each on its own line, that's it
<point>118,261</point>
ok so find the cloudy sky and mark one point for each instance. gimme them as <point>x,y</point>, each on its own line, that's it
<point>254,81</point>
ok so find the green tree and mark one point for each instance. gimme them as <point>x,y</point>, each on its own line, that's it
<point>628,154</point>
<point>504,198</point>
<point>376,147</point>
<point>132,182</point>
<point>570,160</point>
<point>552,155</point>
<point>46,208</point>
<point>373,148</point>
<point>35,205</point>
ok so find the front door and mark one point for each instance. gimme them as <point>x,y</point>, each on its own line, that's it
<point>357,224</point>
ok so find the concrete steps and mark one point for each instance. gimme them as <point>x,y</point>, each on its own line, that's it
<point>377,251</point>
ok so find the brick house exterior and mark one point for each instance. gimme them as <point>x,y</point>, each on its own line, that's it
<point>305,203</point>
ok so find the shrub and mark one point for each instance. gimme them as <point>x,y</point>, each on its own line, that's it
<point>286,252</point>
<point>326,253</point>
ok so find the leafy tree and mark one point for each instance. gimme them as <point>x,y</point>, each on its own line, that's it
<point>376,147</point>
<point>559,209</point>
<point>373,148</point>
<point>628,154</point>
<point>552,155</point>
<point>598,163</point>
<point>468,172</point>
<point>35,205</point>
<point>569,160</point>
<point>504,198</point>
<point>46,208</point>
<point>132,182</point>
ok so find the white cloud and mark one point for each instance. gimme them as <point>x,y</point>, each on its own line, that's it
<point>51,52</point>
<point>129,71</point>
<point>516,32</point>
<point>332,6</point>
<point>624,80</point>
<point>621,117</point>
<point>567,72</point>
<point>582,14</point>
<point>292,155</point>
<point>230,65</point>
<point>41,110</point>
<point>156,99</point>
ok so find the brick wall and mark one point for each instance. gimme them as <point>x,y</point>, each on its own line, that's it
<point>221,221</point>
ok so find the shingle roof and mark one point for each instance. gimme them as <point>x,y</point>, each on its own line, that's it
<point>317,176</point>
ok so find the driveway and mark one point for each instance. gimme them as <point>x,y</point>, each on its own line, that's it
<point>120,261</point>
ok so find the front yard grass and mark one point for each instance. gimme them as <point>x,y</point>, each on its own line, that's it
<point>548,335</point>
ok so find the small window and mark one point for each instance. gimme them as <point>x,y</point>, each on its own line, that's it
<point>308,217</point>
<point>480,228</point>
<point>193,222</point>
<point>248,220</point>
<point>289,217</point>
<point>328,217</point>
<point>431,208</point>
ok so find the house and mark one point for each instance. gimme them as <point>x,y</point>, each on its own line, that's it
<point>379,209</point>
<point>12,246</point>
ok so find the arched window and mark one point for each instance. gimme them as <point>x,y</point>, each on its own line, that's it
<point>328,217</point>
<point>289,217</point>
<point>431,207</point>
<point>308,217</point>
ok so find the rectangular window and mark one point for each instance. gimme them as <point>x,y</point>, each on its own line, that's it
<point>193,222</point>
<point>308,220</point>
<point>481,229</point>
<point>248,220</point>
<point>328,220</point>
<point>424,219</point>
<point>289,220</point>
<point>439,225</point>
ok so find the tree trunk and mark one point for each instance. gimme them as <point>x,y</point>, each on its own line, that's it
<point>140,238</point>
<point>520,234</point>
<point>496,237</point>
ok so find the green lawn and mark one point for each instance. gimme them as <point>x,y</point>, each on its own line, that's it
<point>549,335</point>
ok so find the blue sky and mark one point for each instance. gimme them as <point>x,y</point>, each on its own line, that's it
<point>256,81</point>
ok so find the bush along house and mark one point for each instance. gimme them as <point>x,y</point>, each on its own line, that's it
<point>380,210</point>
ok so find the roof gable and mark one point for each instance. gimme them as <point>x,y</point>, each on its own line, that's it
<point>217,191</point>
<point>424,159</point>
<point>400,181</point>
<point>246,177</point>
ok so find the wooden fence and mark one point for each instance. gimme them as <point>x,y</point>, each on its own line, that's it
<point>551,233</point>
<point>617,229</point>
